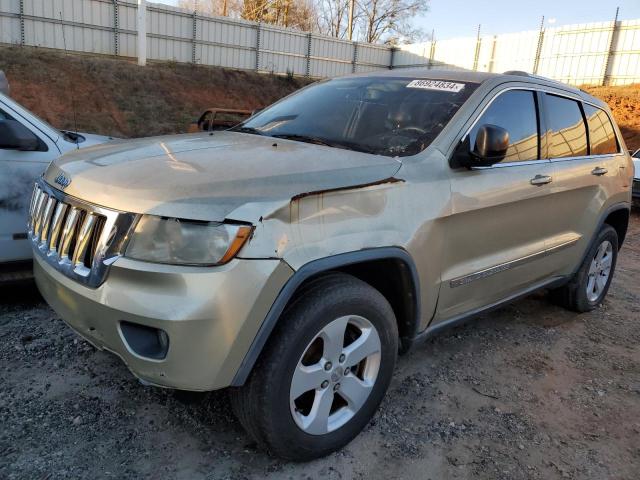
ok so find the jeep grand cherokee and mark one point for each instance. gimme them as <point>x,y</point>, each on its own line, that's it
<point>293,257</point>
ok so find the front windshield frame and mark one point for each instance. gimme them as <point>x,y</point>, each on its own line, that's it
<point>434,106</point>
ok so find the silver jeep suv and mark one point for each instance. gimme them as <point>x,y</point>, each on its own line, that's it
<point>291,258</point>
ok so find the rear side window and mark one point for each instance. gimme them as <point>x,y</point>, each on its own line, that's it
<point>566,126</point>
<point>601,134</point>
<point>515,111</point>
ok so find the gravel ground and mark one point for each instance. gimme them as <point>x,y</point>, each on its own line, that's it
<point>528,391</point>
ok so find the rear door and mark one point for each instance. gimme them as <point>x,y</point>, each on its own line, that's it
<point>585,155</point>
<point>497,232</point>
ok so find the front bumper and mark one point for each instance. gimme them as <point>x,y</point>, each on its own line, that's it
<point>211,315</point>
<point>635,191</point>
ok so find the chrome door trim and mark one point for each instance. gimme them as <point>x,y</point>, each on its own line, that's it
<point>487,272</point>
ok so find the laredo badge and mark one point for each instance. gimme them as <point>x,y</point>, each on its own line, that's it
<point>436,85</point>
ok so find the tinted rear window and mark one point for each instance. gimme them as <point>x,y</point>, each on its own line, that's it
<point>601,134</point>
<point>566,125</point>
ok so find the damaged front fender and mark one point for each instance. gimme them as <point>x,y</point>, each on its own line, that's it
<point>318,224</point>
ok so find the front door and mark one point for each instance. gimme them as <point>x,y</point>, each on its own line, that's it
<point>498,230</point>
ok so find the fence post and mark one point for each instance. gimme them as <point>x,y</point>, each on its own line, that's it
<point>308,74</point>
<point>432,52</point>
<point>393,53</point>
<point>355,57</point>
<point>477,53</point>
<point>492,59</point>
<point>536,60</point>
<point>116,26</point>
<point>21,22</point>
<point>258,29</point>
<point>606,73</point>
<point>142,32</point>
<point>193,37</point>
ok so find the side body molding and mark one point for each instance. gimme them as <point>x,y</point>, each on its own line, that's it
<point>314,268</point>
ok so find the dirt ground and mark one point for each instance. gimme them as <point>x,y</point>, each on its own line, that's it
<point>528,391</point>
<point>117,97</point>
<point>624,102</point>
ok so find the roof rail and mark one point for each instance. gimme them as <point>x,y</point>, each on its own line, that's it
<point>517,72</point>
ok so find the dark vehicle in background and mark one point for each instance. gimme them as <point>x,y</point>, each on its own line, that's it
<point>214,119</point>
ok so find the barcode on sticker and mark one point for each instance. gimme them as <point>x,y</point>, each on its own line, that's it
<point>436,85</point>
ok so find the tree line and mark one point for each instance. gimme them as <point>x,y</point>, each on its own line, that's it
<point>372,21</point>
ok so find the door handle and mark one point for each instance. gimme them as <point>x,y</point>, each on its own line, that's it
<point>540,180</point>
<point>599,171</point>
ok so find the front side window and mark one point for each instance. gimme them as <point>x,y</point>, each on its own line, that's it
<point>379,115</point>
<point>602,137</point>
<point>568,135</point>
<point>515,111</point>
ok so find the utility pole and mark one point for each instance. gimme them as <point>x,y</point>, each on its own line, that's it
<point>351,8</point>
<point>142,32</point>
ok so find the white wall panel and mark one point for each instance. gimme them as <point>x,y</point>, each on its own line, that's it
<point>9,24</point>
<point>577,54</point>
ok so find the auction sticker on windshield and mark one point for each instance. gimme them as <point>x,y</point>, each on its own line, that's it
<point>436,85</point>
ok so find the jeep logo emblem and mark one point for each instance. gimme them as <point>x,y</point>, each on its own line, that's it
<point>62,180</point>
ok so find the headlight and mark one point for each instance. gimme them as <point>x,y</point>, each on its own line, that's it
<point>186,242</point>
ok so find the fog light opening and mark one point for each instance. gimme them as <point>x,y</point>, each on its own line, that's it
<point>144,341</point>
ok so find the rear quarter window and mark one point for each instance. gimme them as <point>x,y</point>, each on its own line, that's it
<point>602,136</point>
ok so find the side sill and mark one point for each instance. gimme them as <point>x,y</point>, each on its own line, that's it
<point>465,317</point>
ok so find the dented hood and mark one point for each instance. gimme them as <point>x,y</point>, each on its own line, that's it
<point>208,176</point>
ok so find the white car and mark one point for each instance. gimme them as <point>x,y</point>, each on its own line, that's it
<point>27,145</point>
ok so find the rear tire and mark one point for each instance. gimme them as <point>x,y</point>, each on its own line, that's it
<point>302,403</point>
<point>590,284</point>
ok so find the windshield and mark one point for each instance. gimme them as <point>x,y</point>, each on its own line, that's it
<point>381,115</point>
<point>27,114</point>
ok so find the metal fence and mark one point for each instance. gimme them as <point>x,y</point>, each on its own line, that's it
<point>109,27</point>
<point>604,53</point>
<point>594,53</point>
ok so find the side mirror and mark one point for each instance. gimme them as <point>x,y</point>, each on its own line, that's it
<point>15,136</point>
<point>490,148</point>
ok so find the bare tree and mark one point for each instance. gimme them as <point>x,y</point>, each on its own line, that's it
<point>332,18</point>
<point>299,14</point>
<point>221,8</point>
<point>374,21</point>
<point>389,21</point>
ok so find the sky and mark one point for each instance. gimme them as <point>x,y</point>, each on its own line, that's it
<point>460,18</point>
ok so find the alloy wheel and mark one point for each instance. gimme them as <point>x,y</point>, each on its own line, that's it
<point>335,375</point>
<point>599,271</point>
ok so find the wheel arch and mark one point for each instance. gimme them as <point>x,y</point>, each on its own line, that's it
<point>373,266</point>
<point>618,218</point>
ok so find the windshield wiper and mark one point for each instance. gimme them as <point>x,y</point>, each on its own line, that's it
<point>324,142</point>
<point>251,130</point>
<point>304,138</point>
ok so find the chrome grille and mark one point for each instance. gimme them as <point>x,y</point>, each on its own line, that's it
<point>77,238</point>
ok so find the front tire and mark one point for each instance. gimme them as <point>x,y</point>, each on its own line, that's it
<point>590,284</point>
<point>324,371</point>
